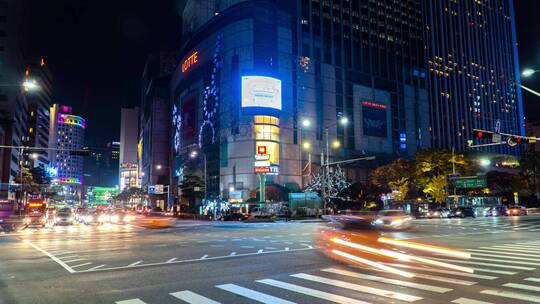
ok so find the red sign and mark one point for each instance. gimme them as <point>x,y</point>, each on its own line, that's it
<point>190,61</point>
<point>261,149</point>
<point>373,105</point>
<point>262,169</point>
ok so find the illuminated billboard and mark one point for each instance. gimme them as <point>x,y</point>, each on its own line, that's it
<point>374,119</point>
<point>261,92</point>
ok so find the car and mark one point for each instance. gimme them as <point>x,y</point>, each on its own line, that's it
<point>463,212</point>
<point>35,220</point>
<point>438,213</point>
<point>392,220</point>
<point>496,211</point>
<point>64,217</point>
<point>236,216</point>
<point>516,210</point>
<point>90,217</point>
<point>156,219</point>
<point>120,217</point>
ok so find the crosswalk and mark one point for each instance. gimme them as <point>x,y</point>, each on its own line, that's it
<point>482,224</point>
<point>502,274</point>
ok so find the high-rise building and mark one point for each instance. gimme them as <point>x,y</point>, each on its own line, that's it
<point>155,123</point>
<point>101,165</point>
<point>473,71</point>
<point>39,104</point>
<point>129,134</point>
<point>13,104</point>
<point>66,135</point>
<point>277,77</point>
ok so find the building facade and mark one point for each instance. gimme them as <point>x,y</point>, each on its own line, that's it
<point>153,145</point>
<point>66,137</point>
<point>129,134</point>
<point>279,76</point>
<point>39,104</point>
<point>473,71</point>
<point>13,103</point>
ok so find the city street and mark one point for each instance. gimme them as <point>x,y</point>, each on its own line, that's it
<point>206,262</point>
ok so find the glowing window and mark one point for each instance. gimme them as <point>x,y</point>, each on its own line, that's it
<point>267,132</point>
<point>260,119</point>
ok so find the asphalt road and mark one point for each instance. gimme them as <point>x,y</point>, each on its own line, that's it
<point>263,263</point>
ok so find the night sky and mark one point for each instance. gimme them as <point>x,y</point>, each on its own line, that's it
<point>96,50</point>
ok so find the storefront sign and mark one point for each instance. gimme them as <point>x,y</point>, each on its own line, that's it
<point>262,163</point>
<point>190,61</point>
<point>374,119</point>
<point>262,169</point>
<point>261,149</point>
<point>260,157</point>
<point>271,170</point>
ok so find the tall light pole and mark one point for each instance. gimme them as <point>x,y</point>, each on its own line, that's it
<point>526,73</point>
<point>306,123</point>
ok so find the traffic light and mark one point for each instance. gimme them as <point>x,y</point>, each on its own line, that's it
<point>481,134</point>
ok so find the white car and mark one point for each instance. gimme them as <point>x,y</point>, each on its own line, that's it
<point>392,220</point>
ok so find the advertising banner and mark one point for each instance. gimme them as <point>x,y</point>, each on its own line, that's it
<point>261,92</point>
<point>374,119</point>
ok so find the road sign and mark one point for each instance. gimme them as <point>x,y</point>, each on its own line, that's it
<point>470,183</point>
<point>155,189</point>
<point>496,138</point>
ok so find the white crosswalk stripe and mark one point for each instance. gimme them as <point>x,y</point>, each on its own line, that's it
<point>388,281</point>
<point>358,287</point>
<point>511,257</point>
<point>458,273</point>
<point>132,301</point>
<point>512,295</point>
<point>192,298</point>
<point>254,295</point>
<point>311,292</point>
<point>532,279</point>
<point>522,286</point>
<point>503,252</point>
<point>489,264</point>
<point>469,301</point>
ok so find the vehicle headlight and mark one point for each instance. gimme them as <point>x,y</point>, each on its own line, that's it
<point>458,212</point>
<point>88,218</point>
<point>102,218</point>
<point>128,218</point>
<point>114,218</point>
<point>435,213</point>
<point>71,218</point>
<point>378,222</point>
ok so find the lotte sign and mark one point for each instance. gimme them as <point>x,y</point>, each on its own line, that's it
<point>190,61</point>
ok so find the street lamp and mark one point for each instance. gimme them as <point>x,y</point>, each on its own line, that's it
<point>34,156</point>
<point>336,144</point>
<point>528,72</point>
<point>306,123</point>
<point>31,85</point>
<point>306,145</point>
<point>159,167</point>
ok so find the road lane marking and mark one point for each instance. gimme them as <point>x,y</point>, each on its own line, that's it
<point>532,279</point>
<point>387,280</point>
<point>489,264</point>
<point>522,286</point>
<point>74,260</point>
<point>171,260</point>
<point>54,258</point>
<point>469,301</point>
<point>516,247</point>
<point>204,257</point>
<point>67,257</point>
<point>195,260</point>
<point>357,287</point>
<point>311,292</point>
<point>131,301</point>
<point>458,273</point>
<point>134,264</point>
<point>512,295</point>
<point>260,251</point>
<point>97,267</point>
<point>252,294</point>
<point>83,264</point>
<point>192,298</point>
<point>232,253</point>
<point>513,249</point>
<point>507,260</point>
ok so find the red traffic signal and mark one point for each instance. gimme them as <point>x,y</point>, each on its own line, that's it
<point>480,134</point>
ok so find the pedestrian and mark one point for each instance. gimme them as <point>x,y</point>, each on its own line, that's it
<point>287,214</point>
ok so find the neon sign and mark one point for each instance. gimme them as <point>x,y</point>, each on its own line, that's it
<point>72,120</point>
<point>190,61</point>
<point>373,105</point>
<point>70,180</point>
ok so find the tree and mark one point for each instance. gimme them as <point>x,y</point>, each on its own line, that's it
<point>530,168</point>
<point>40,176</point>
<point>505,184</point>
<point>335,182</point>
<point>400,188</point>
<point>391,173</point>
<point>431,163</point>
<point>436,188</point>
